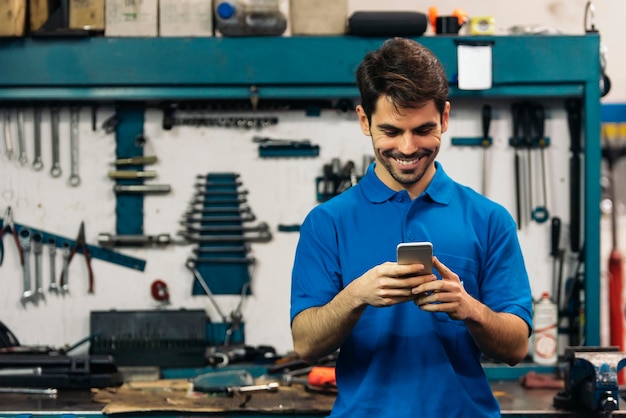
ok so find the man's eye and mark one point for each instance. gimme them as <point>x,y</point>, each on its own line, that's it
<point>391,133</point>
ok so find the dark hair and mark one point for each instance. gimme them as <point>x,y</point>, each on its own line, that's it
<point>406,72</point>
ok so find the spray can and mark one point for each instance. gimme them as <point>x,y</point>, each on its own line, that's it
<point>249,18</point>
<point>545,320</point>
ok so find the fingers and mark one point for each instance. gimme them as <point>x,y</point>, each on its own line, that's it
<point>445,272</point>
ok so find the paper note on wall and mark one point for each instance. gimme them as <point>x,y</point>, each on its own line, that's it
<point>474,67</point>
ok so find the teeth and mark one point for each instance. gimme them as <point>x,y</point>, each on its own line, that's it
<point>406,162</point>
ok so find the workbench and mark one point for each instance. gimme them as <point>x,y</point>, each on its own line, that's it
<point>515,401</point>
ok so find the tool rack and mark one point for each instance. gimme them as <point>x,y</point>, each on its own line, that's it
<point>137,72</point>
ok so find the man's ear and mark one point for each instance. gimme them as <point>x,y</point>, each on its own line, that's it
<point>363,121</point>
<point>445,117</point>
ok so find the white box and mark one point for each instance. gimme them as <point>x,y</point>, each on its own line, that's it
<point>318,17</point>
<point>185,18</point>
<point>132,18</point>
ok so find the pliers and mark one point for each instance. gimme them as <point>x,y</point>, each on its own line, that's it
<point>82,246</point>
<point>9,228</point>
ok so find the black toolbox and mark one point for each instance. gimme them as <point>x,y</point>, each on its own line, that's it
<point>163,338</point>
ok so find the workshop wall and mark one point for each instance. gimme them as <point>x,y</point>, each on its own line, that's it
<point>281,191</point>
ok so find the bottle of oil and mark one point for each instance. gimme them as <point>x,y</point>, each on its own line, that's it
<point>249,18</point>
<point>546,332</point>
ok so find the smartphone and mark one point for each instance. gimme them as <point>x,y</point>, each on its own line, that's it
<point>416,252</point>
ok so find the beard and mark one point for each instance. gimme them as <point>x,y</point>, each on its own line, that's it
<point>411,175</point>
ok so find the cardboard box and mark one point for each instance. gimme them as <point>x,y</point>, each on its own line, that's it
<point>185,18</point>
<point>131,18</point>
<point>39,12</point>
<point>12,17</point>
<point>86,14</point>
<point>318,17</point>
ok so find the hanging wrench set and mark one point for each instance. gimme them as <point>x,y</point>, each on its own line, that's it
<point>21,152</point>
<point>29,241</point>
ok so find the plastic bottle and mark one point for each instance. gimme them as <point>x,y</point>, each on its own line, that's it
<point>249,18</point>
<point>546,331</point>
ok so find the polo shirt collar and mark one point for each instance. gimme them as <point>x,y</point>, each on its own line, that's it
<point>439,189</point>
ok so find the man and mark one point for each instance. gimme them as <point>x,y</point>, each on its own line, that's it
<point>410,344</point>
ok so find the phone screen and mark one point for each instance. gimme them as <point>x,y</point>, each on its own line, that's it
<point>416,252</point>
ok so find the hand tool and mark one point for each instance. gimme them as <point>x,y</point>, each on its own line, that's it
<point>37,244</point>
<point>213,192</point>
<point>574,121</point>
<point>223,249</point>
<point>28,295</point>
<point>486,122</point>
<point>194,218</point>
<point>261,227</point>
<point>131,174</point>
<point>8,135</point>
<point>140,160</point>
<point>160,240</point>
<point>230,201</point>
<point>191,210</point>
<point>142,188</point>
<point>527,129</point>
<point>261,237</point>
<point>37,162</point>
<point>74,179</point>
<point>80,246</point>
<point>55,170</point>
<point>557,255</point>
<point>9,228</point>
<point>348,176</point>
<point>21,139</point>
<point>52,252</point>
<point>191,265</point>
<point>64,282</point>
<point>202,185</point>
<point>540,213</point>
<point>516,142</point>
<point>224,260</point>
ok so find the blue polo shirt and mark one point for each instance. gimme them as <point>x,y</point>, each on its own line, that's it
<point>402,361</point>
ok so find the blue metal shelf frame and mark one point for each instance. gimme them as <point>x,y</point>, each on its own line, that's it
<point>174,69</point>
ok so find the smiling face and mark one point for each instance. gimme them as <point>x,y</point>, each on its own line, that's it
<point>406,142</point>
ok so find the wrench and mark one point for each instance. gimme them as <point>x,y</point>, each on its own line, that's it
<point>264,236</point>
<point>55,171</point>
<point>37,245</point>
<point>37,163</point>
<point>28,295</point>
<point>21,140</point>
<point>52,252</point>
<point>8,137</point>
<point>193,218</point>
<point>190,227</point>
<point>65,285</point>
<point>74,176</point>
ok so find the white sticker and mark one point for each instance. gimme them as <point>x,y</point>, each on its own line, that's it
<point>474,67</point>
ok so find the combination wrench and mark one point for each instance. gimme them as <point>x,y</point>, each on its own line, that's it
<point>28,295</point>
<point>55,170</point>
<point>37,163</point>
<point>8,137</point>
<point>74,179</point>
<point>65,285</point>
<point>21,139</point>
<point>52,253</point>
<point>37,244</point>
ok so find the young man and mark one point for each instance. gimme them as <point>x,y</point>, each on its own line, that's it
<point>410,344</point>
